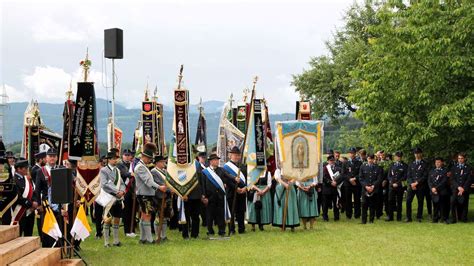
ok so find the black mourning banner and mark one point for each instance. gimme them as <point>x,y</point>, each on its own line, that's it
<point>84,134</point>
<point>259,132</point>
<point>148,122</point>
<point>181,123</point>
<point>160,137</point>
<point>201,138</point>
<point>33,143</point>
<point>67,127</point>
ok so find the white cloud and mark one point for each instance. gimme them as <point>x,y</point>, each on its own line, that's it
<point>15,94</point>
<point>49,30</point>
<point>49,84</point>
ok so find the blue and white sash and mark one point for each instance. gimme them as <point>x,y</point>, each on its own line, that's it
<point>233,170</point>
<point>181,212</point>
<point>217,182</point>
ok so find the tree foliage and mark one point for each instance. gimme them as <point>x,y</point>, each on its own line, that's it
<point>410,79</point>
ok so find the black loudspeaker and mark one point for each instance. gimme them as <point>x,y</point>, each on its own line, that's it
<point>113,43</point>
<point>62,185</point>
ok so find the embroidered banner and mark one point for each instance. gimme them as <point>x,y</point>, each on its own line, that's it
<point>84,143</point>
<point>183,155</point>
<point>299,146</point>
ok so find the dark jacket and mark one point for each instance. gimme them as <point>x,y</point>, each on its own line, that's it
<point>21,183</point>
<point>328,189</point>
<point>351,169</point>
<point>438,178</point>
<point>397,172</point>
<point>370,175</point>
<point>214,193</point>
<point>461,176</point>
<point>418,173</point>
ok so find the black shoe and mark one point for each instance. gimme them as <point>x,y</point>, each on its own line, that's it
<point>419,220</point>
<point>261,228</point>
<point>399,219</point>
<point>363,222</point>
<point>389,219</point>
<point>435,221</point>
<point>336,219</point>
<point>107,245</point>
<point>326,219</point>
<point>371,221</point>
<point>117,244</point>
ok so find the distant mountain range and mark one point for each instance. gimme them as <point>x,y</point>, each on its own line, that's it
<point>126,119</point>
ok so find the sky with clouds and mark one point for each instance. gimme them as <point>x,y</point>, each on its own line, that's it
<point>222,44</point>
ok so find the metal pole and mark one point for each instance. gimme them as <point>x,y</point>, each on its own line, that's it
<point>113,105</point>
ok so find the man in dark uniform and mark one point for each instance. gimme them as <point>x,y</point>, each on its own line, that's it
<point>340,162</point>
<point>192,203</point>
<point>24,211</point>
<point>417,183</point>
<point>201,164</point>
<point>43,192</point>
<point>239,193</point>
<point>129,198</point>
<point>40,159</point>
<point>397,174</point>
<point>370,177</point>
<point>461,178</point>
<point>351,184</point>
<point>214,198</point>
<point>439,189</point>
<point>332,178</point>
<point>384,163</point>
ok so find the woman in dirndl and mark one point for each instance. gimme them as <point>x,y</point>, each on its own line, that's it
<point>260,202</point>
<point>307,201</point>
<point>292,217</point>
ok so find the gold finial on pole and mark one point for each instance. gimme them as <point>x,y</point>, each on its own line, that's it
<point>231,100</point>
<point>86,64</point>
<point>180,77</point>
<point>200,107</point>
<point>155,94</point>
<point>69,92</point>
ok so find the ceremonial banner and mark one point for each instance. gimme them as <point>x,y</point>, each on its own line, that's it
<point>303,110</point>
<point>181,176</point>
<point>242,118</point>
<point>254,151</point>
<point>269,146</point>
<point>35,134</point>
<point>299,148</point>
<point>182,148</point>
<point>229,136</point>
<point>84,144</point>
<point>148,122</point>
<point>201,137</point>
<point>32,141</point>
<point>68,114</point>
<point>160,134</point>
<point>8,193</point>
<point>117,136</point>
<point>87,181</point>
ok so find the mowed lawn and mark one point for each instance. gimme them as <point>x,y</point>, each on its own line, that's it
<point>343,242</point>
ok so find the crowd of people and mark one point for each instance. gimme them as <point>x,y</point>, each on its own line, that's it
<point>361,186</point>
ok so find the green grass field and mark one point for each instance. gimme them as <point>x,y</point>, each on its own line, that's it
<point>343,242</point>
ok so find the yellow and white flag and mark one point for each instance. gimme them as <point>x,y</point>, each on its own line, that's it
<point>80,229</point>
<point>50,225</point>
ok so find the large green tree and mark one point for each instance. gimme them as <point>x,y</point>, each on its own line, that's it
<point>328,81</point>
<point>406,71</point>
<point>415,86</point>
